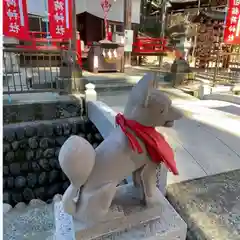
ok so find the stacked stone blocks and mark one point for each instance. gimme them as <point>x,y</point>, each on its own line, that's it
<point>30,157</point>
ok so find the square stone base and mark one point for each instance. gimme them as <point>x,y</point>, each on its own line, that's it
<point>138,222</point>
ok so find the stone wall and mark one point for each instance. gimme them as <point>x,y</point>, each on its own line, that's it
<point>34,111</point>
<point>30,157</point>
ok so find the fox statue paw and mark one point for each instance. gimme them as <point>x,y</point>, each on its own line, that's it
<point>154,200</point>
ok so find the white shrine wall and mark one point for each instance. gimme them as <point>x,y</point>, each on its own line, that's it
<point>91,6</point>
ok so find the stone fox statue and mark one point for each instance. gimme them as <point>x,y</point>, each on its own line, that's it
<point>133,147</point>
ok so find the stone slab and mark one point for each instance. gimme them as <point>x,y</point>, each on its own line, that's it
<point>210,206</point>
<point>138,222</point>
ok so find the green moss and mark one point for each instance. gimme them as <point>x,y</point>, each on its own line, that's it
<point>38,115</point>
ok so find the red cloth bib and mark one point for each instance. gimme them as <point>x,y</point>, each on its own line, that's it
<point>157,147</point>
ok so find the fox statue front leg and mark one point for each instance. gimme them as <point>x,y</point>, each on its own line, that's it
<point>148,184</point>
<point>69,199</point>
<point>94,205</point>
<point>136,177</point>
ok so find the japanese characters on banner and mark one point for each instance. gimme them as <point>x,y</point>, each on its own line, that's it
<point>15,19</point>
<point>60,18</point>
<point>232,23</point>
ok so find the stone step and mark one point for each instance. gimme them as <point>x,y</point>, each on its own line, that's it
<point>109,84</point>
<point>210,75</point>
<point>101,83</point>
<point>107,80</point>
<point>219,77</point>
<point>101,87</point>
<point>41,111</point>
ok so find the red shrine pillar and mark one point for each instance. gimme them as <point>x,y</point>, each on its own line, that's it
<point>78,49</point>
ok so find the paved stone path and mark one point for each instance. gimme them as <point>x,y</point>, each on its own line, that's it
<point>206,141</point>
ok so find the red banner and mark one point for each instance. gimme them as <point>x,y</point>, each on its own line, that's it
<point>232,23</point>
<point>60,18</point>
<point>15,19</point>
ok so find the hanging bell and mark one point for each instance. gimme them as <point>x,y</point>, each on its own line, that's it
<point>109,54</point>
<point>115,53</point>
<point>103,53</point>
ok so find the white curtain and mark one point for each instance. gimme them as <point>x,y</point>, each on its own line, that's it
<point>37,7</point>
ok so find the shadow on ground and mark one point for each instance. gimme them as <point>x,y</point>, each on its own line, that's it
<point>229,109</point>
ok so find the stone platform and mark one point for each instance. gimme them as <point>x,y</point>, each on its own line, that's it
<point>138,222</point>
<point>40,221</point>
<point>209,205</point>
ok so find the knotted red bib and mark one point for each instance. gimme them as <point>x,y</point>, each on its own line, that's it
<point>157,147</point>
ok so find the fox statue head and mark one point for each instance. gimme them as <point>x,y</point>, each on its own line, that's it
<point>150,106</point>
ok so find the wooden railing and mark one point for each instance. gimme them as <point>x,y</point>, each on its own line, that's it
<point>146,46</point>
<point>149,46</point>
<point>40,41</point>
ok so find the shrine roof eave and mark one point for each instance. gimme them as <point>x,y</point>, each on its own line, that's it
<point>178,35</point>
<point>178,28</point>
<point>214,15</point>
<point>182,5</point>
<point>183,1</point>
<point>35,15</point>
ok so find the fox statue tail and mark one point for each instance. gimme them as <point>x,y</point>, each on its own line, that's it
<point>77,159</point>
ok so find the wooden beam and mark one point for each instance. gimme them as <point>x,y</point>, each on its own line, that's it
<point>127,26</point>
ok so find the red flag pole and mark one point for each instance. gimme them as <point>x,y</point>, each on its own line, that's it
<point>106,6</point>
<point>74,26</point>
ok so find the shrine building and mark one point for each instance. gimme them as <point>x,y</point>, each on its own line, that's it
<point>207,19</point>
<point>90,16</point>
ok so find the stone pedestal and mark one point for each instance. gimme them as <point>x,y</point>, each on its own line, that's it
<point>73,84</point>
<point>65,71</point>
<point>236,89</point>
<point>179,71</point>
<point>70,79</point>
<point>137,222</point>
<point>204,90</point>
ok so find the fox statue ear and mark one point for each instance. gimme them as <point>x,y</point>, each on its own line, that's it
<point>151,85</point>
<point>140,94</point>
<point>148,92</point>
